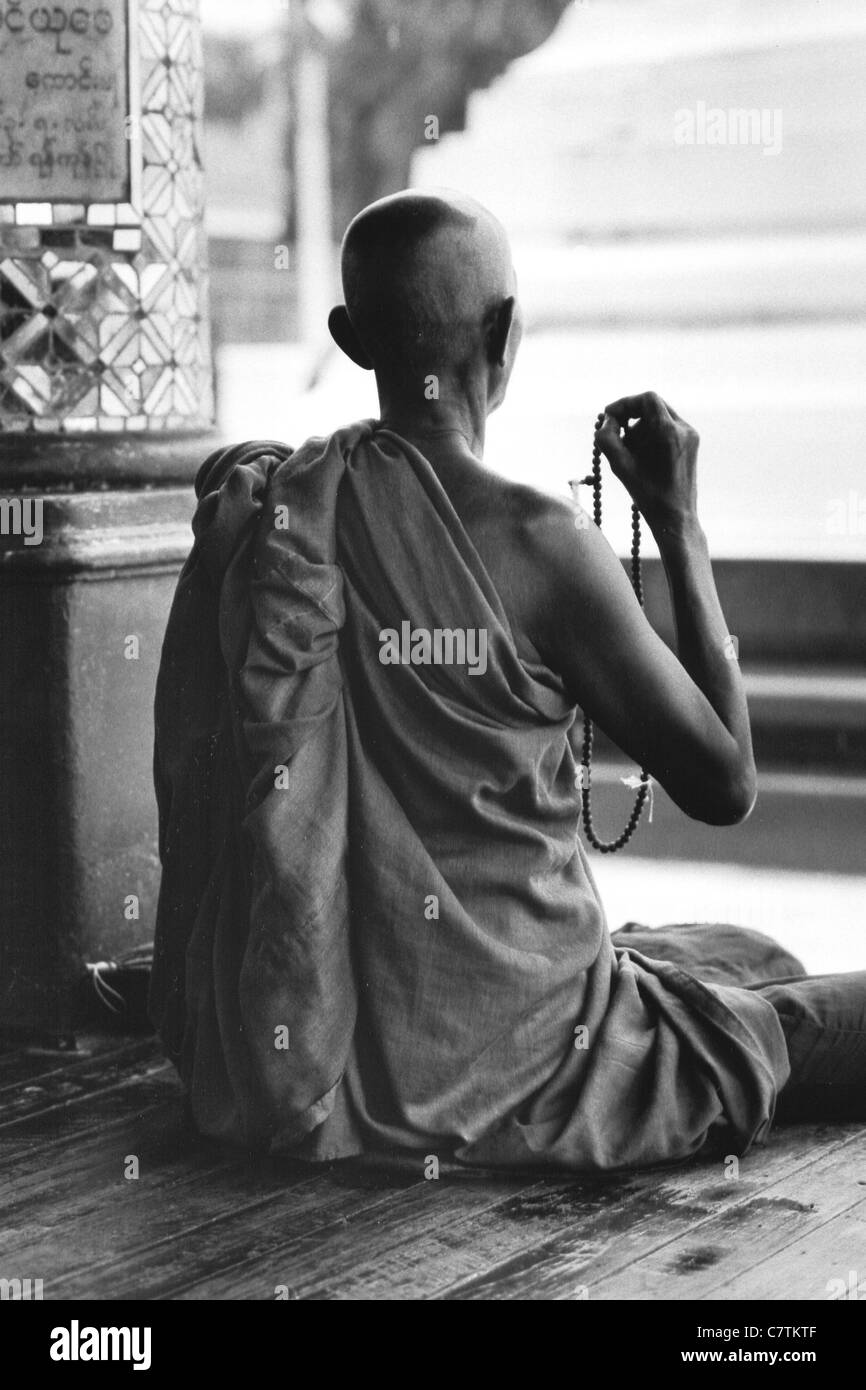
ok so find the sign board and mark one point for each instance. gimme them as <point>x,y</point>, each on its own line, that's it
<point>67,118</point>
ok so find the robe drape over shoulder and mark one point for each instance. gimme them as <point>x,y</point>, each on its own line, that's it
<point>377,928</point>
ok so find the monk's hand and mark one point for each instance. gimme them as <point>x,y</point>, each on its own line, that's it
<point>654,453</point>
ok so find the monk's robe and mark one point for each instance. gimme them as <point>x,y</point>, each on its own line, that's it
<point>378,929</point>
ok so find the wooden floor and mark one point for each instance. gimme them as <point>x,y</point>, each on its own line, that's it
<point>201,1223</point>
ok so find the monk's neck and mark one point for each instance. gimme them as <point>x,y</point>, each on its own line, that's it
<point>420,423</point>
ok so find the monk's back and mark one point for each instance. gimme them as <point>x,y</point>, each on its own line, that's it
<point>475,922</point>
<point>498,516</point>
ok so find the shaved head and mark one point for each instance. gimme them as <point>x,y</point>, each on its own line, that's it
<point>426,276</point>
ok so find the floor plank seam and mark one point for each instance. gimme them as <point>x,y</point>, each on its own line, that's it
<point>83,1099</point>
<point>765,1259</point>
<point>494,1271</point>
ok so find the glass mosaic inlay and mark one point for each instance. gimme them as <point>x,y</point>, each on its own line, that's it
<point>103,320</point>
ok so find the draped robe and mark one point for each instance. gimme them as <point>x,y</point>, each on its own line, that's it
<point>378,929</point>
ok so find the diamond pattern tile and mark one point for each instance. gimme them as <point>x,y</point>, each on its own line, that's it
<point>96,338</point>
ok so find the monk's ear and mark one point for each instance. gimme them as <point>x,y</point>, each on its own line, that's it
<point>346,338</point>
<point>497,330</point>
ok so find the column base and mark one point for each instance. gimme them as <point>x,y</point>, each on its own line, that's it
<point>82,616</point>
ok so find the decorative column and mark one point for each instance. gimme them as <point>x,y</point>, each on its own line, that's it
<point>105,415</point>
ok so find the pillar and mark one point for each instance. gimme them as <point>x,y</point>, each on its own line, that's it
<point>105,415</point>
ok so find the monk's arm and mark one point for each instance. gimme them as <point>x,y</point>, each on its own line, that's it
<point>704,645</point>
<point>684,720</point>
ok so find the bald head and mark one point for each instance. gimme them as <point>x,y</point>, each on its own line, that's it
<point>429,287</point>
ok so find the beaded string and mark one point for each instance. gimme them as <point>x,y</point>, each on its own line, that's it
<point>584,774</point>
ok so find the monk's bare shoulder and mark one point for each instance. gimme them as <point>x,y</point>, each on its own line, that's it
<point>559,580</point>
<point>497,510</point>
<point>531,544</point>
<point>528,542</point>
<point>539,528</point>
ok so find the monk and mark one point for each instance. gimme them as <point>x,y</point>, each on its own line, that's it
<point>378,930</point>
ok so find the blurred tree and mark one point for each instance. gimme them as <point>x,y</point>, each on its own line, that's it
<point>233,72</point>
<point>392,63</point>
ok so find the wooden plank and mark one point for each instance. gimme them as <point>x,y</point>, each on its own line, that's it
<point>332,1261</point>
<point>86,1208</point>
<point>30,1064</point>
<point>658,1205</point>
<point>91,1211</point>
<point>45,1169</point>
<point>829,1264</point>
<point>19,1064</point>
<point>640,1210</point>
<point>206,1222</point>
<point>162,1209</point>
<point>655,1254</point>
<point>42,1091</point>
<point>88,1212</point>
<point>99,1216</point>
<point>67,1124</point>
<point>224,1234</point>
<point>75,1203</point>
<point>432,1238</point>
<point>729,1243</point>
<point>88,1045</point>
<point>410,1254</point>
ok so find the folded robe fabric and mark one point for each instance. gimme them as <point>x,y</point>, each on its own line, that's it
<point>377,928</point>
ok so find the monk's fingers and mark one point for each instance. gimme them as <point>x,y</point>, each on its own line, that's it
<point>609,431</point>
<point>647,406</point>
<point>635,433</point>
<point>617,440</point>
<point>607,437</point>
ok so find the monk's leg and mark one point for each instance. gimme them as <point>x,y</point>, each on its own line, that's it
<point>824,1020</point>
<point>716,952</point>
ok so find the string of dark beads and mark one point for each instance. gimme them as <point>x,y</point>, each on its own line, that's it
<point>610,846</point>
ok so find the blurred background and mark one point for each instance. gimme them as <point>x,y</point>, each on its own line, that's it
<point>731,279</point>
<point>662,240</point>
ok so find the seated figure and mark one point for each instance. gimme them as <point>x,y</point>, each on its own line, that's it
<point>378,931</point>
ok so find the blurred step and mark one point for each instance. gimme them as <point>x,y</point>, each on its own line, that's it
<point>808,718</point>
<point>814,822</point>
<point>816,916</point>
